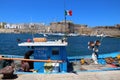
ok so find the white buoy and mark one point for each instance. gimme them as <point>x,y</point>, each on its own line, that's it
<point>94,57</point>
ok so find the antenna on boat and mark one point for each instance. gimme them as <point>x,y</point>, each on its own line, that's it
<point>32,27</point>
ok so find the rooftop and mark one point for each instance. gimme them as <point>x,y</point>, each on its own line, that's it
<point>48,43</point>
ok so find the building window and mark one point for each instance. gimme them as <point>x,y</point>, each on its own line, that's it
<point>55,51</point>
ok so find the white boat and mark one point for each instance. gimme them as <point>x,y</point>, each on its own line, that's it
<point>73,34</point>
<point>56,34</point>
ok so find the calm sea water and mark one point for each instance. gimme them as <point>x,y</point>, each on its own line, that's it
<point>76,45</point>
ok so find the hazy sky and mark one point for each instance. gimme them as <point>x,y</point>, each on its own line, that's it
<point>90,12</point>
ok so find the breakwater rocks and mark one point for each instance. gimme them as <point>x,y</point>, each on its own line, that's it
<point>109,32</point>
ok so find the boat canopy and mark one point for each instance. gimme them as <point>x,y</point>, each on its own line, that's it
<point>48,43</point>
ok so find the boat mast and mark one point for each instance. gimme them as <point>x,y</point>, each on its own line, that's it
<point>65,13</point>
<point>65,16</point>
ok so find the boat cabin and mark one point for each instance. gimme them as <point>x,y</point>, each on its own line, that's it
<point>48,50</point>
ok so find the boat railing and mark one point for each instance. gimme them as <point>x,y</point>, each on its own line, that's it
<point>15,56</point>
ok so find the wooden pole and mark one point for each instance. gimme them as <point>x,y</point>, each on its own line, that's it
<point>33,60</point>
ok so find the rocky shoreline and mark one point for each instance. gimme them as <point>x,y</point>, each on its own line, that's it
<point>108,32</point>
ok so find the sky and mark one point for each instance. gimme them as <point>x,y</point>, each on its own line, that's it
<point>90,12</point>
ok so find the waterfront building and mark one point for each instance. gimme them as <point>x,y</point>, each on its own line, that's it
<point>1,25</point>
<point>69,27</point>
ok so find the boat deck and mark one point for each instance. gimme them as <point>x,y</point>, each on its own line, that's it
<point>77,67</point>
<point>89,65</point>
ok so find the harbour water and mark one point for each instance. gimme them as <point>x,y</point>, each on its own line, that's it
<point>77,45</point>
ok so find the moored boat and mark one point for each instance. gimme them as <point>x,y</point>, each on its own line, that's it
<point>43,49</point>
<point>51,57</point>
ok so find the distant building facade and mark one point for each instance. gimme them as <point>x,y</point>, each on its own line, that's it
<point>2,25</point>
<point>69,27</point>
<point>58,27</point>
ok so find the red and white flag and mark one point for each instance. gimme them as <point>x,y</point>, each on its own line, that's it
<point>68,12</point>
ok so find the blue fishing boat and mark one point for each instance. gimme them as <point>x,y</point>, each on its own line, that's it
<point>51,57</point>
<point>43,49</point>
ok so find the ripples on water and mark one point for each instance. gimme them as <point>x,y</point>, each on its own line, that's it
<point>76,45</point>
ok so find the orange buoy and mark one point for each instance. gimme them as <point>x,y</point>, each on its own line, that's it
<point>39,39</point>
<point>118,56</point>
